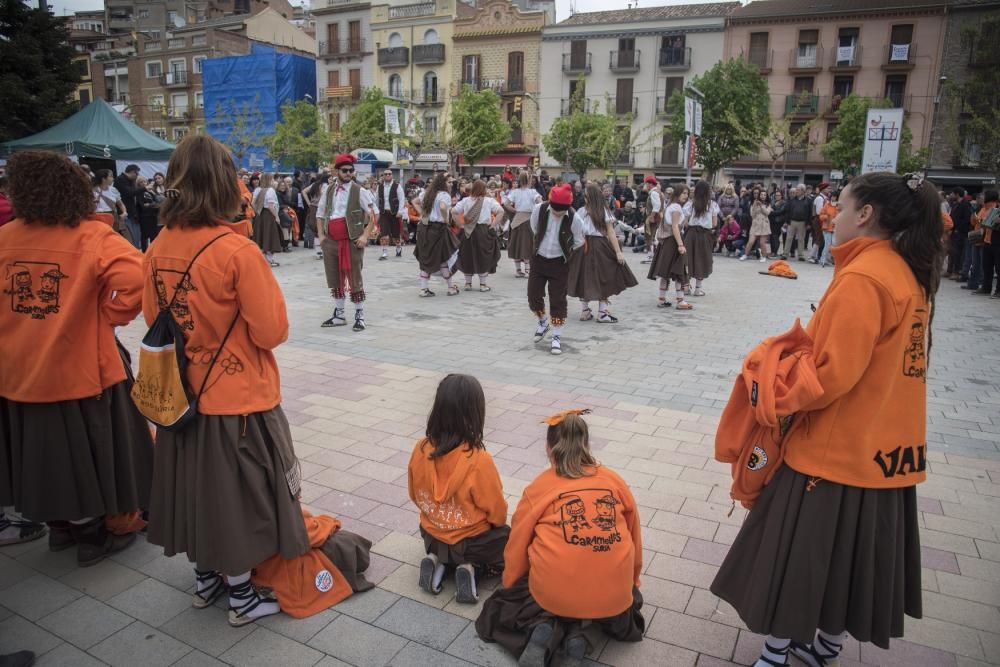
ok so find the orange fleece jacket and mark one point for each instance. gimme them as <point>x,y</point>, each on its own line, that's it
<point>231,275</point>
<point>579,542</point>
<point>869,344</point>
<point>459,495</point>
<point>65,289</point>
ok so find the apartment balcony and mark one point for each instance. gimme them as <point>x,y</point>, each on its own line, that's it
<point>397,95</point>
<point>120,21</point>
<point>810,63</point>
<point>624,105</point>
<point>342,48</point>
<point>663,106</point>
<point>569,105</point>
<point>899,57</point>
<point>677,59</point>
<point>904,102</point>
<point>797,155</point>
<point>394,56</point>
<point>625,159</point>
<point>428,54</point>
<point>846,61</point>
<point>175,79</point>
<point>412,11</point>
<point>762,58</point>
<point>576,65</point>
<point>801,104</point>
<point>496,85</point>
<point>514,86</point>
<point>428,98</point>
<point>624,61</point>
<point>178,114</point>
<point>339,94</point>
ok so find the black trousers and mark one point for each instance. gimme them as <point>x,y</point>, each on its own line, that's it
<point>990,266</point>
<point>956,251</point>
<point>555,274</point>
<point>148,228</point>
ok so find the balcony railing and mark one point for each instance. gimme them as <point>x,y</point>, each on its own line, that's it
<point>178,114</point>
<point>428,54</point>
<point>174,79</point>
<point>762,58</point>
<point>801,104</point>
<point>675,58</point>
<point>797,155</point>
<point>412,11</point>
<point>900,101</point>
<point>428,97</point>
<point>496,85</point>
<point>845,58</point>
<point>663,106</point>
<point>514,86</point>
<point>805,62</point>
<point>899,56</point>
<point>625,61</point>
<point>342,47</point>
<point>570,105</point>
<point>624,105</point>
<point>394,56</point>
<point>576,64</point>
<point>399,95</point>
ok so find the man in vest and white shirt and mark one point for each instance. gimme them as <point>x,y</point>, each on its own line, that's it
<point>345,218</point>
<point>392,207</point>
<point>655,207</point>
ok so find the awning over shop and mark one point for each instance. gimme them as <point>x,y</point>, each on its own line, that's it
<point>959,177</point>
<point>501,160</point>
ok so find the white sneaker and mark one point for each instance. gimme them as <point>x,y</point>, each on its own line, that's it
<point>743,258</point>
<point>556,346</point>
<point>763,259</point>
<point>543,328</point>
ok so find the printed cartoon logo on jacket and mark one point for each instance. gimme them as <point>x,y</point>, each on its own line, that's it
<point>448,515</point>
<point>179,307</point>
<point>589,518</point>
<point>914,356</point>
<point>34,288</point>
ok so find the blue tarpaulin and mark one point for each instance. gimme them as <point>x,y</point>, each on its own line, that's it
<point>261,81</point>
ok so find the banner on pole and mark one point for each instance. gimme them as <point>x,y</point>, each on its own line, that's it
<point>692,116</point>
<point>392,119</point>
<point>883,132</point>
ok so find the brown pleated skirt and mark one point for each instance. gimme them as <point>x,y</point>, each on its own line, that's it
<point>484,550</point>
<point>435,246</point>
<point>267,232</point>
<point>668,262</point>
<point>521,245</point>
<point>836,558</point>
<point>75,459</point>
<point>510,614</point>
<point>224,492</point>
<point>594,271</point>
<point>699,242</point>
<point>351,553</point>
<point>480,251</point>
<point>311,218</point>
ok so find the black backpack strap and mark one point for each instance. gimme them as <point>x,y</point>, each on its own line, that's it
<point>215,356</point>
<point>187,271</point>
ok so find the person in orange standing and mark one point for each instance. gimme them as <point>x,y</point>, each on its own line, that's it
<point>832,544</point>
<point>827,215</point>
<point>577,519</point>
<point>73,447</point>
<point>455,484</point>
<point>225,488</point>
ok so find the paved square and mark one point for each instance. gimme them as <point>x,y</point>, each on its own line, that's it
<point>656,382</point>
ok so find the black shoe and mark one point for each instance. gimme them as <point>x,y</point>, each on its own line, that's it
<point>94,542</point>
<point>534,652</point>
<point>60,536</point>
<point>575,648</point>
<point>399,251</point>
<point>337,320</point>
<point>359,322</point>
<point>19,659</point>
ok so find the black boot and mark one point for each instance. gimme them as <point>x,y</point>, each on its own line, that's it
<point>534,652</point>
<point>94,542</point>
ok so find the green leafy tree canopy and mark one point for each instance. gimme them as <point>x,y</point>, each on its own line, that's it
<point>37,72</point>
<point>476,128</point>
<point>975,101</point>
<point>365,126</point>
<point>735,114</point>
<point>300,138</point>
<point>584,140</point>
<point>846,145</point>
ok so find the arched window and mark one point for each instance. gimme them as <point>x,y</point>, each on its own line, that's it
<point>396,86</point>
<point>430,88</point>
<point>395,40</point>
<point>431,36</point>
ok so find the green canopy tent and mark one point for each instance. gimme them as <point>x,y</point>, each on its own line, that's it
<point>96,131</point>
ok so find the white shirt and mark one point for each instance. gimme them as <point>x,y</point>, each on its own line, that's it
<point>549,247</point>
<point>655,201</point>
<point>666,229</point>
<point>486,213</point>
<point>587,224</point>
<point>434,215</point>
<point>270,198</point>
<point>366,199</point>
<point>386,206</point>
<point>706,219</point>
<point>524,199</point>
<point>111,193</point>
<point>818,204</point>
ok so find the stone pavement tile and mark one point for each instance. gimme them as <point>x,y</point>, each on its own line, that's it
<point>151,601</point>
<point>379,471</point>
<point>404,582</point>
<point>417,655</point>
<point>680,488</point>
<point>156,648</point>
<point>339,480</point>
<point>198,659</point>
<point>310,491</point>
<point>726,534</point>
<point>988,550</point>
<point>174,571</point>
<point>903,653</point>
<point>12,572</point>
<point>706,606</point>
<point>978,568</point>
<point>693,633</point>
<point>383,493</point>
<point>139,553</point>
<point>330,661</point>
<point>958,526</point>
<point>339,504</point>
<point>17,634</point>
<point>471,612</point>
<point>18,550</point>
<point>369,531</point>
<point>962,612</point>
<point>85,622</point>
<point>663,593</point>
<point>38,596</point>
<point>367,606</point>
<point>991,647</point>
<point>958,586</point>
<point>684,525</point>
<point>682,571</point>
<point>401,547</point>
<point>331,458</point>
<point>358,643</point>
<point>702,551</point>
<point>663,542</point>
<point>936,559</point>
<point>667,470</point>
<point>5,613</point>
<point>468,646</point>
<point>51,563</point>
<point>298,629</point>
<point>420,623</point>
<point>943,635</point>
<point>660,501</point>
<point>718,511</point>
<point>263,648</point>
<point>401,519</point>
<point>380,567</point>
<point>374,452</point>
<point>948,542</point>
<point>104,580</point>
<point>207,630</point>
<point>709,661</point>
<point>962,661</point>
<point>647,652</point>
<point>66,655</point>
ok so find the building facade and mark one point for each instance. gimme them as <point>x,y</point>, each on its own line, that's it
<point>629,62</point>
<point>498,46</point>
<point>155,18</point>
<point>813,57</point>
<point>344,56</point>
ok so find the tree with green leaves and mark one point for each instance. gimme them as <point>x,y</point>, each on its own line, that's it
<point>37,72</point>
<point>735,113</point>
<point>785,134</point>
<point>475,127</point>
<point>583,140</point>
<point>240,127</point>
<point>365,126</point>
<point>845,146</point>
<point>974,102</point>
<point>300,139</point>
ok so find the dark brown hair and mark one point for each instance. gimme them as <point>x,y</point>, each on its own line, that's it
<point>702,197</point>
<point>31,174</point>
<point>676,197</point>
<point>458,415</point>
<point>593,199</point>
<point>439,184</point>
<point>569,443</point>
<point>204,178</point>
<point>478,188</point>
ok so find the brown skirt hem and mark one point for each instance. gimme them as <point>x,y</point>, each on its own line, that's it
<point>435,246</point>
<point>479,252</point>
<point>267,232</point>
<point>699,242</point>
<point>594,271</point>
<point>351,554</point>
<point>668,262</point>
<point>521,244</point>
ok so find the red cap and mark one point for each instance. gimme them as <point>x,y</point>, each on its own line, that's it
<point>651,179</point>
<point>562,195</point>
<point>823,186</point>
<point>344,158</point>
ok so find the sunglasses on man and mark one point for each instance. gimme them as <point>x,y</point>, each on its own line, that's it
<point>347,170</point>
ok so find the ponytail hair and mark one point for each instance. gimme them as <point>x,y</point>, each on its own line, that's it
<point>569,442</point>
<point>908,210</point>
